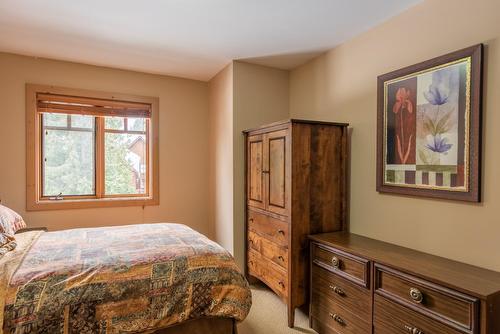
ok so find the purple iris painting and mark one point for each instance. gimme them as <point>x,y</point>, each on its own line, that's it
<point>425,128</point>
<point>428,131</point>
<point>438,144</point>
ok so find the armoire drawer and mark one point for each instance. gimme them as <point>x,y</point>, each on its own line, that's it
<point>448,306</point>
<point>274,229</point>
<point>350,296</point>
<point>267,271</point>
<point>348,266</point>
<point>268,249</point>
<point>392,318</point>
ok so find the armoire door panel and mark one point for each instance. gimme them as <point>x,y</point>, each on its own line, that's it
<point>276,173</point>
<point>256,187</point>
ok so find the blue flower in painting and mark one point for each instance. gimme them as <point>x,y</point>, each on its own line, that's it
<point>438,144</point>
<point>443,83</point>
<point>436,96</point>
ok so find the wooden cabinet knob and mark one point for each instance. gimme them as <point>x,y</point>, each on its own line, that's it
<point>337,290</point>
<point>336,262</point>
<point>337,318</point>
<point>416,295</point>
<point>413,330</point>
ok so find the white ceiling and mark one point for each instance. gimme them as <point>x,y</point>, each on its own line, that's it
<point>186,38</point>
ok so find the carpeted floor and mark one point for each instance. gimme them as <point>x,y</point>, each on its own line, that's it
<point>268,315</point>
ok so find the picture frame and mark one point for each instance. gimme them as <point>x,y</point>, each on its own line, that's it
<point>429,128</point>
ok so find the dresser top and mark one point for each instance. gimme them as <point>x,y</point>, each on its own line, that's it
<point>476,281</point>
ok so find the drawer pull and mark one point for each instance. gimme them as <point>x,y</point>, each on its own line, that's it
<point>337,290</point>
<point>416,295</point>
<point>281,232</point>
<point>251,220</point>
<point>281,258</point>
<point>413,330</point>
<point>338,319</point>
<point>281,284</point>
<point>336,262</point>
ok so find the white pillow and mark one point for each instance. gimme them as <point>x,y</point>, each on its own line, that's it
<point>10,223</point>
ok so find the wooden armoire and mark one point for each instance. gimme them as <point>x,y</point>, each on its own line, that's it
<point>296,186</point>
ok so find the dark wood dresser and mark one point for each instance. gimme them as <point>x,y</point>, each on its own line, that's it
<point>295,186</point>
<point>361,285</point>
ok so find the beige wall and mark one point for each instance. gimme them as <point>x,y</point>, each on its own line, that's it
<point>221,157</point>
<point>183,141</point>
<point>242,96</point>
<point>260,97</point>
<point>341,86</point>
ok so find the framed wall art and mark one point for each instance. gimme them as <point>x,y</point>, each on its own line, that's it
<point>429,128</point>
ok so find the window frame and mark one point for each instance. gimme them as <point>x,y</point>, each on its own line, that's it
<point>40,147</point>
<point>35,201</point>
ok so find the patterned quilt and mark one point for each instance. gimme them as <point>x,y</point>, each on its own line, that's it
<point>125,279</point>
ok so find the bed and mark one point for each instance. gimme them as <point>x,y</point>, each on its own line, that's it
<point>148,278</point>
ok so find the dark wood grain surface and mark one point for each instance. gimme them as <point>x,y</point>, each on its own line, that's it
<point>438,302</point>
<point>391,318</point>
<point>336,317</point>
<point>476,281</point>
<point>350,296</point>
<point>350,267</point>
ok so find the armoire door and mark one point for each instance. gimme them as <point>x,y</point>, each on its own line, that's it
<point>255,166</point>
<point>276,156</point>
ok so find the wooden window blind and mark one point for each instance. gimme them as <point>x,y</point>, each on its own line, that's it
<point>52,103</point>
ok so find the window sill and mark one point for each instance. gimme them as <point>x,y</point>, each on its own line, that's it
<point>44,205</point>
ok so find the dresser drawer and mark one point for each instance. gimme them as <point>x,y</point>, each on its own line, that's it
<point>274,229</point>
<point>392,318</point>
<point>447,306</point>
<point>335,317</point>
<point>267,271</point>
<point>346,265</point>
<point>268,249</point>
<point>350,296</point>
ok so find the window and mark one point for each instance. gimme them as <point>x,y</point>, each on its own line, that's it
<point>90,149</point>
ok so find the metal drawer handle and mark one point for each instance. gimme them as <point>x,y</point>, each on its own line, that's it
<point>416,295</point>
<point>251,220</point>
<point>281,232</point>
<point>281,258</point>
<point>281,284</point>
<point>338,319</point>
<point>337,290</point>
<point>336,262</point>
<point>413,330</point>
